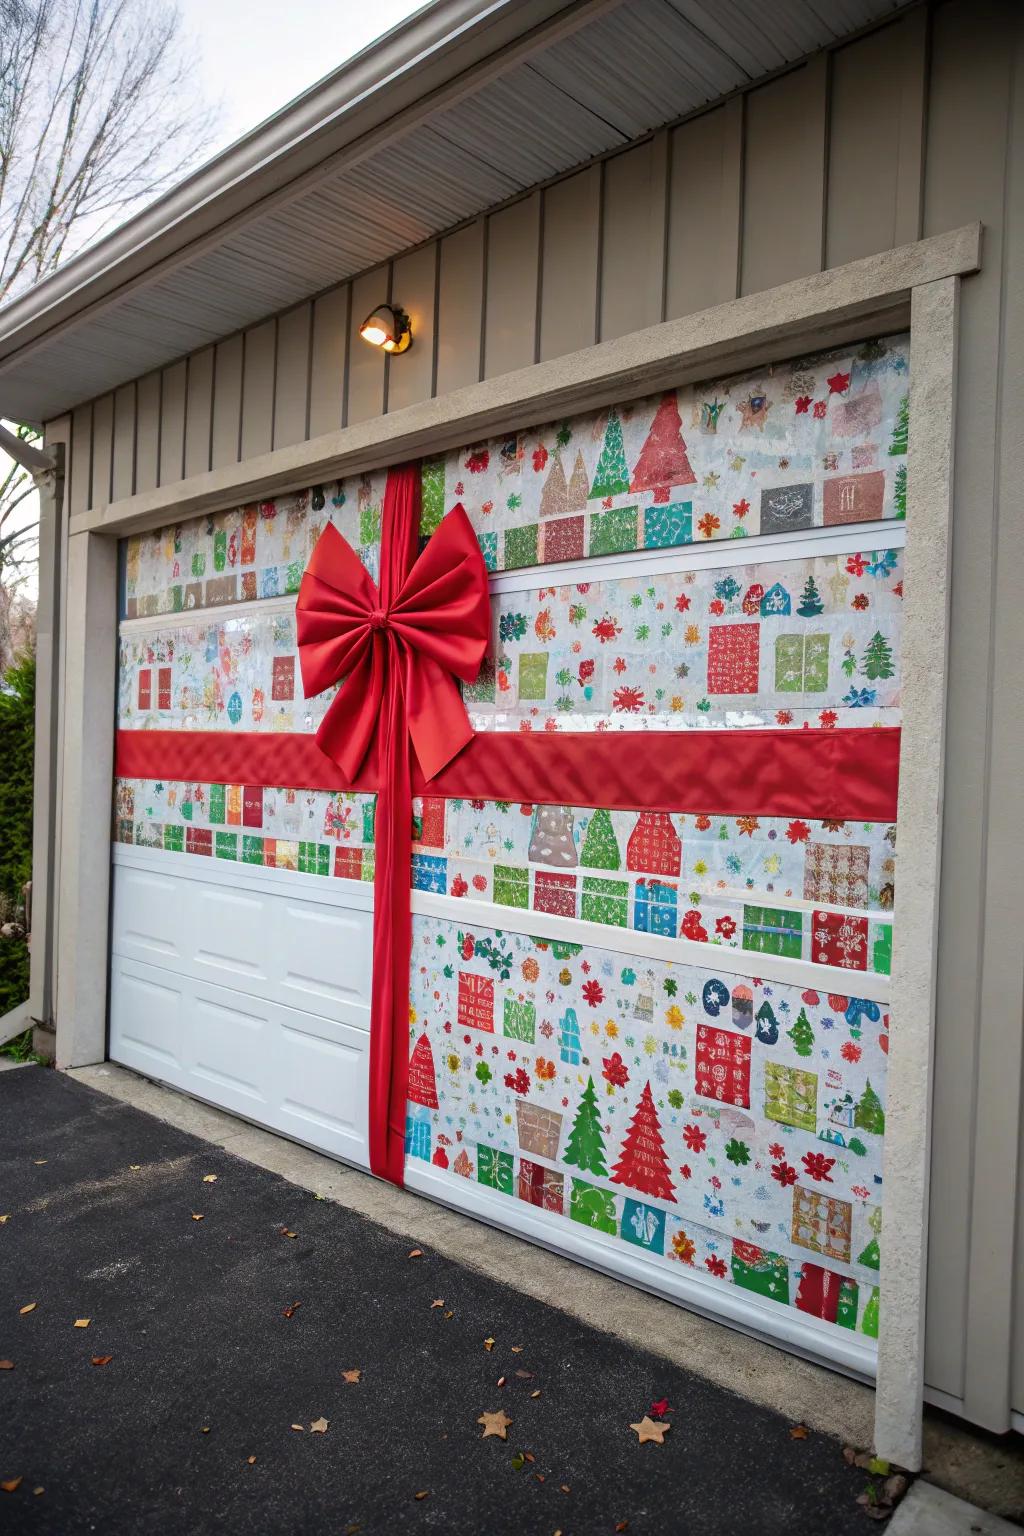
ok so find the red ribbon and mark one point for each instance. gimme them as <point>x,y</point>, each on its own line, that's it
<point>397,653</point>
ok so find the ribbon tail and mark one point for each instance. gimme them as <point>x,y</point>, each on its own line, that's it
<point>392,942</point>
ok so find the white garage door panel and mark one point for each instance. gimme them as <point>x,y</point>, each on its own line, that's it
<point>245,929</point>
<point>291,1071</point>
<point>228,984</point>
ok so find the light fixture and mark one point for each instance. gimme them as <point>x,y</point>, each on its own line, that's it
<point>387,327</point>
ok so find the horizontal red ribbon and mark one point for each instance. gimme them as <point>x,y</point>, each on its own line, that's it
<point>821,775</point>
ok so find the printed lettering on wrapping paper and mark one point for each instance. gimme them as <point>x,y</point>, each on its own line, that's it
<point>733,658</point>
<point>722,1066</point>
<point>476,1002</point>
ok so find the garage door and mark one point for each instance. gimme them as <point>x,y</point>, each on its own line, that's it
<point>653,1039</point>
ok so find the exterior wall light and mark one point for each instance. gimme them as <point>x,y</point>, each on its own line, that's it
<point>387,327</point>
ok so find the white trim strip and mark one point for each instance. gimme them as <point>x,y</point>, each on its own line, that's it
<point>754,550</point>
<point>252,605</point>
<point>824,1343</point>
<point>338,891</point>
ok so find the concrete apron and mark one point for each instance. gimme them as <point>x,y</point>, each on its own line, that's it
<point>956,1459</point>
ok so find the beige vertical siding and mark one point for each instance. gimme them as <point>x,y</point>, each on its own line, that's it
<point>147,433</point>
<point>900,132</point>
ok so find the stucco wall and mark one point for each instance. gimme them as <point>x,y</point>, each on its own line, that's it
<point>913,129</point>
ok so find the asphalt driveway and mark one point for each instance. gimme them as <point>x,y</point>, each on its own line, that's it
<point>208,1392</point>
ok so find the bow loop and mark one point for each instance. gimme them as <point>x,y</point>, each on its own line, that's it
<point>433,631</point>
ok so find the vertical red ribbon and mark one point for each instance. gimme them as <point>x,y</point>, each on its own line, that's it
<point>392,871</point>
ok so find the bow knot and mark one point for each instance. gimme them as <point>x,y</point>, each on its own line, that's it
<point>438,621</point>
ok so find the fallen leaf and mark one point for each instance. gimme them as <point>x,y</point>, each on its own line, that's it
<point>416,1253</point>
<point>879,1466</point>
<point>209,1178</point>
<point>40,1162</point>
<point>535,1394</point>
<point>423,1494</point>
<point>298,1427</point>
<point>539,1476</point>
<point>102,1359</point>
<point>529,1456</point>
<point>488,1344</point>
<point>799,1432</point>
<point>197,1216</point>
<point>319,1426</point>
<point>660,1408</point>
<point>11,1484</point>
<point>352,1376</point>
<point>134,1167</point>
<point>647,1429</point>
<point>525,1375</point>
<point>285,1233</point>
<point>5,1219</point>
<point>517,1349</point>
<point>29,1307</point>
<point>501,1381</point>
<point>38,1491</point>
<point>438,1303</point>
<point>564,1488</point>
<point>518,1461</point>
<point>448,1315</point>
<point>82,1322</point>
<point>251,1460</point>
<point>6,1365</point>
<point>291,1311</point>
<point>206,1429</point>
<point>623,1525</point>
<point>495,1424</point>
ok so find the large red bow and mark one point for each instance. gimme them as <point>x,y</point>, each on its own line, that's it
<point>396,652</point>
<point>432,631</point>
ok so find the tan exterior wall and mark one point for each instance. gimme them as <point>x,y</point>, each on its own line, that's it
<point>901,133</point>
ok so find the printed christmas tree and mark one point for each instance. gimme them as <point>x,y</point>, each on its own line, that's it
<point>612,475</point>
<point>642,1162</point>
<point>422,1082</point>
<point>585,1147</point>
<point>869,1114</point>
<point>663,462</point>
<point>810,602</point>
<point>579,486</point>
<point>600,848</point>
<point>554,498</point>
<point>802,1035</point>
<point>877,658</point>
<point>899,490</point>
<point>898,441</point>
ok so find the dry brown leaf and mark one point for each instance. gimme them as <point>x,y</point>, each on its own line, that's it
<point>102,1359</point>
<point>352,1376</point>
<point>535,1394</point>
<point>438,1303</point>
<point>298,1427</point>
<point>197,1216</point>
<point>517,1349</point>
<point>448,1315</point>
<point>525,1375</point>
<point>6,1365</point>
<point>206,1429</point>
<point>423,1494</point>
<point>5,1219</point>
<point>38,1491</point>
<point>652,1430</point>
<point>285,1233</point>
<point>416,1253</point>
<point>623,1525</point>
<point>799,1432</point>
<point>40,1162</point>
<point>319,1426</point>
<point>29,1307</point>
<point>209,1178</point>
<point>134,1167</point>
<point>488,1344</point>
<point>495,1424</point>
<point>82,1322</point>
<point>564,1488</point>
<point>529,1456</point>
<point>11,1484</point>
<point>251,1460</point>
<point>291,1311</point>
<point>501,1381</point>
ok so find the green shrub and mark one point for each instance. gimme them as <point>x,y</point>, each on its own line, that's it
<point>17,722</point>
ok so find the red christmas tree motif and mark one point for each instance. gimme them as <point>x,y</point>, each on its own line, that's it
<point>663,462</point>
<point>422,1083</point>
<point>642,1162</point>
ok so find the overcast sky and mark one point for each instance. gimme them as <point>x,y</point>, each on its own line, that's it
<point>256,55</point>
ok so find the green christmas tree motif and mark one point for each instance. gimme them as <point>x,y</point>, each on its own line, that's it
<point>585,1147</point>
<point>612,475</point>
<point>877,658</point>
<point>810,601</point>
<point>899,490</point>
<point>600,848</point>
<point>802,1035</point>
<point>869,1114</point>
<point>871,1256</point>
<point>898,441</point>
<point>869,1322</point>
